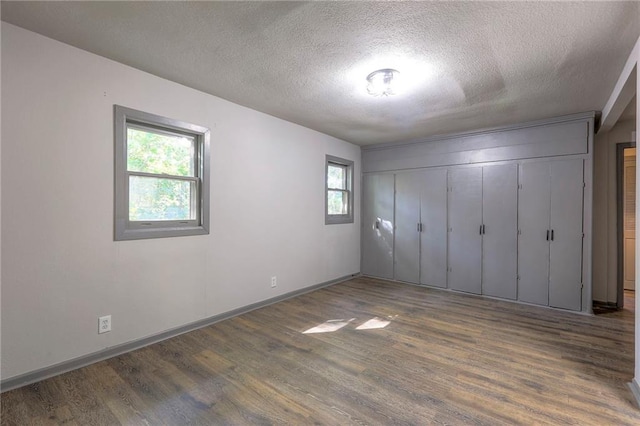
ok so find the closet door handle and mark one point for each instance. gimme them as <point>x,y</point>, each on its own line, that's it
<point>480,229</point>
<point>547,235</point>
<point>552,235</point>
<point>483,230</point>
<point>377,225</point>
<point>419,227</point>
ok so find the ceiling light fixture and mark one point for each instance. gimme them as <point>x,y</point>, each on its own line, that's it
<point>382,82</point>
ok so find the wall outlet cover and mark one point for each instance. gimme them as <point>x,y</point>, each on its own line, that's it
<point>104,324</point>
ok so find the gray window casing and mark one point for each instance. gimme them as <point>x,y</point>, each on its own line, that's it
<point>335,219</point>
<point>132,230</point>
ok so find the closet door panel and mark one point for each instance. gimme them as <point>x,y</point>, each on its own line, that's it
<point>500,232</point>
<point>565,275</point>
<point>377,225</point>
<point>465,219</point>
<point>433,238</point>
<point>407,236</point>
<point>533,222</point>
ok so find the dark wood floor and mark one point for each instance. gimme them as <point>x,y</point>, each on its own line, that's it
<point>443,358</point>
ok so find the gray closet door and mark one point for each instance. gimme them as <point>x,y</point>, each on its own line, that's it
<point>500,232</point>
<point>465,220</point>
<point>533,221</point>
<point>433,238</point>
<point>565,269</point>
<point>407,236</point>
<point>377,225</point>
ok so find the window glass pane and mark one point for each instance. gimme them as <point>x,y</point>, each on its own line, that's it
<point>151,152</point>
<point>336,176</point>
<point>160,199</point>
<point>337,202</point>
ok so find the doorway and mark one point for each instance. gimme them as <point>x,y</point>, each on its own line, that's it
<point>626,201</point>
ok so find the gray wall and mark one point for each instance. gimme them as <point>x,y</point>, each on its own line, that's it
<point>605,245</point>
<point>61,268</point>
<point>568,135</point>
<point>561,137</point>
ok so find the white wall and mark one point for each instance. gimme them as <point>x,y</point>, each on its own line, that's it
<point>605,244</point>
<point>61,268</point>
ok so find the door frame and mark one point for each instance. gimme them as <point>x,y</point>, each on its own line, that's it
<point>620,147</point>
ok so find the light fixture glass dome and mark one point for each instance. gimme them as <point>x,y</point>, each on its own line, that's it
<point>382,82</point>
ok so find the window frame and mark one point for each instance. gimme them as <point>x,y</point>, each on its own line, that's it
<point>333,219</point>
<point>126,229</point>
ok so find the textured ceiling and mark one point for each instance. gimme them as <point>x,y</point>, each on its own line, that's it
<point>470,65</point>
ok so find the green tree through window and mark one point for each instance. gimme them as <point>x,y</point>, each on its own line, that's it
<point>162,176</point>
<point>154,198</point>
<point>339,190</point>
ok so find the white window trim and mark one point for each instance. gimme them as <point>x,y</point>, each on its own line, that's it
<point>132,230</point>
<point>333,219</point>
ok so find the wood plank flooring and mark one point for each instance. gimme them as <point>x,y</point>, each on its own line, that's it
<point>443,358</point>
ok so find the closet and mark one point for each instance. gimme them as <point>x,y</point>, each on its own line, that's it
<point>504,213</point>
<point>465,229</point>
<point>550,214</point>
<point>420,254</point>
<point>500,230</point>
<point>377,225</point>
<point>483,231</point>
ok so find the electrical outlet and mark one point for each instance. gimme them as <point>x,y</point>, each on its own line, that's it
<point>104,324</point>
<point>274,282</point>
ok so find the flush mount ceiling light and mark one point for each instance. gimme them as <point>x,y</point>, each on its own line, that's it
<point>382,82</point>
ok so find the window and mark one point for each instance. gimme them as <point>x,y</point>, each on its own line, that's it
<point>339,191</point>
<point>161,176</point>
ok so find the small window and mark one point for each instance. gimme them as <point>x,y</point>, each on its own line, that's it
<point>339,191</point>
<point>161,176</point>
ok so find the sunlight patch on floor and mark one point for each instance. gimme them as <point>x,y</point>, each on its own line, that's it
<point>373,324</point>
<point>328,326</point>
